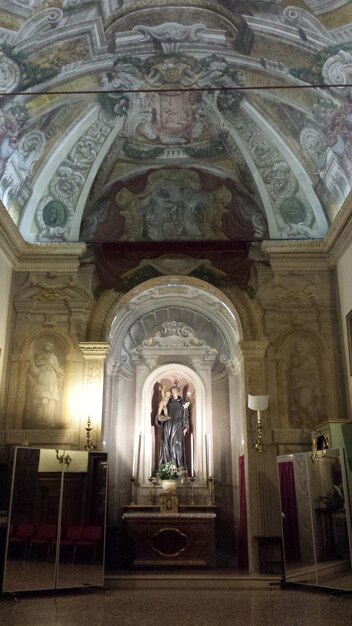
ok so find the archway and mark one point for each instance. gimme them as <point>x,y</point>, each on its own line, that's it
<point>169,328</point>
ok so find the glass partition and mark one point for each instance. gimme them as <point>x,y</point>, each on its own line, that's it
<point>32,526</point>
<point>56,525</point>
<point>316,520</point>
<point>81,548</point>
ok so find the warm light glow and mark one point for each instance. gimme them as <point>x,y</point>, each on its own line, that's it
<point>74,405</point>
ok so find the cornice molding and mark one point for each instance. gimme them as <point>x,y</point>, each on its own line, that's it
<point>322,254</point>
<point>300,255</point>
<point>27,257</point>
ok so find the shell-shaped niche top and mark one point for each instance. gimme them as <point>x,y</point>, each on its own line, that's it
<point>173,335</point>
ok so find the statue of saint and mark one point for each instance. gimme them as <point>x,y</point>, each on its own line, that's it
<point>175,428</point>
<point>44,386</point>
<point>304,393</point>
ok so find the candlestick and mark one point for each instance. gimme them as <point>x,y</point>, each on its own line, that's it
<point>151,483</point>
<point>211,489</point>
<point>133,490</point>
<point>192,479</point>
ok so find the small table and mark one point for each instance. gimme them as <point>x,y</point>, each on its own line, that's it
<point>178,539</point>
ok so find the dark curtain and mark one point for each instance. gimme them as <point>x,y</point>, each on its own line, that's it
<point>289,511</point>
<point>242,530</point>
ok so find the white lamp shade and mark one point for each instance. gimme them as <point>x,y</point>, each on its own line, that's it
<point>258,403</point>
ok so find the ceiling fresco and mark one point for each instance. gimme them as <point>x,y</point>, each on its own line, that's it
<point>144,121</point>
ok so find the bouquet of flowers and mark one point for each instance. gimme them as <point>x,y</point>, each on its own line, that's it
<point>168,471</point>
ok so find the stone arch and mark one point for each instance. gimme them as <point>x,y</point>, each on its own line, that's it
<point>243,310</point>
<point>221,396</point>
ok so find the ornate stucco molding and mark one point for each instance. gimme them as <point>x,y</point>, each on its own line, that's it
<point>27,257</point>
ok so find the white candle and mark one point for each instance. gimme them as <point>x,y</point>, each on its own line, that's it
<point>210,456</point>
<point>151,452</point>
<point>206,458</point>
<point>136,451</point>
<point>192,456</point>
<point>138,454</point>
<point>134,458</point>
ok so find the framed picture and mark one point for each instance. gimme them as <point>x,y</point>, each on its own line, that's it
<point>349,338</point>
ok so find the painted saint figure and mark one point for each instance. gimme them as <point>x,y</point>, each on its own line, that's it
<point>175,428</point>
<point>44,380</point>
<point>304,388</point>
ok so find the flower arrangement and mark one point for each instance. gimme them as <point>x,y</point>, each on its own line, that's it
<point>168,471</point>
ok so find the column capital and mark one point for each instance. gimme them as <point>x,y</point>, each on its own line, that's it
<point>254,349</point>
<point>94,349</point>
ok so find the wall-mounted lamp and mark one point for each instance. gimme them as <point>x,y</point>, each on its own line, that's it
<point>63,459</point>
<point>258,403</point>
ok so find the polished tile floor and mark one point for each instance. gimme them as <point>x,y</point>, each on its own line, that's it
<point>179,608</point>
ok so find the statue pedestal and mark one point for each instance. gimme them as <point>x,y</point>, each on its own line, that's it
<point>172,539</point>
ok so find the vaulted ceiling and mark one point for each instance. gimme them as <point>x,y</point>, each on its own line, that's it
<point>129,121</point>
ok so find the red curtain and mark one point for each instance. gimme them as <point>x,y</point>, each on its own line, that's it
<point>289,511</point>
<point>242,530</point>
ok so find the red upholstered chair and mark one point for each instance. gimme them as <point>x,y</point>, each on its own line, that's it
<point>44,537</point>
<point>69,537</point>
<point>22,536</point>
<point>90,539</point>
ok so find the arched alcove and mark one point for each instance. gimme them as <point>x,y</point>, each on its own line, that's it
<point>201,424</point>
<point>176,327</point>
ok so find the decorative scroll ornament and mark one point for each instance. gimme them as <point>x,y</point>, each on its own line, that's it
<point>173,336</point>
<point>294,215</point>
<point>314,144</point>
<point>39,24</point>
<point>170,34</point>
<point>337,71</point>
<point>70,177</point>
<point>295,16</point>
<point>10,74</point>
